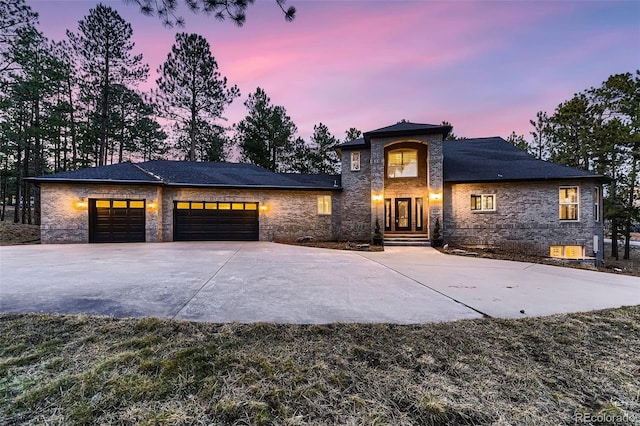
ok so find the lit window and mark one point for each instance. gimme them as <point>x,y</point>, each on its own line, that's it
<point>569,203</point>
<point>402,163</point>
<point>483,202</point>
<point>596,204</point>
<point>355,161</point>
<point>324,204</point>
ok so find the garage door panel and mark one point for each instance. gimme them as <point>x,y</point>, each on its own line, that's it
<point>215,224</point>
<point>116,221</point>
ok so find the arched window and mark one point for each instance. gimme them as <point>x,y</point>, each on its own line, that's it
<point>402,163</point>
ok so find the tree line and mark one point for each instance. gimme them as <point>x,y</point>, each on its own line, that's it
<point>76,103</point>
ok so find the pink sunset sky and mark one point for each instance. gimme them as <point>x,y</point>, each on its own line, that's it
<point>485,66</point>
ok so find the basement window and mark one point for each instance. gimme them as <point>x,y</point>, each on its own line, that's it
<point>324,204</point>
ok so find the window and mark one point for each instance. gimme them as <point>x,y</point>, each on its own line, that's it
<point>355,161</point>
<point>402,163</point>
<point>596,204</point>
<point>483,203</point>
<point>567,252</point>
<point>569,203</point>
<point>419,212</point>
<point>324,204</point>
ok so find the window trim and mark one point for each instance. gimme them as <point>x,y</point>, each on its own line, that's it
<point>562,204</point>
<point>402,151</point>
<point>355,161</point>
<point>324,205</point>
<point>596,204</point>
<point>482,208</point>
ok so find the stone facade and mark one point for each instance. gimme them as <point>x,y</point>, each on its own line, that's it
<point>64,221</point>
<point>355,199</point>
<point>288,214</point>
<point>526,217</point>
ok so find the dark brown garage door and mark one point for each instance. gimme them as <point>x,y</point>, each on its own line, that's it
<point>215,221</point>
<point>116,221</point>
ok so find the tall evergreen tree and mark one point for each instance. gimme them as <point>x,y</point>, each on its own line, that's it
<point>323,147</point>
<point>265,136</point>
<point>190,88</point>
<point>15,15</point>
<point>104,48</point>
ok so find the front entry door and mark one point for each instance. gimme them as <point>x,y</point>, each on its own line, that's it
<point>403,214</point>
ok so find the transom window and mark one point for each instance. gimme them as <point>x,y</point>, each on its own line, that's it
<point>324,204</point>
<point>569,206</point>
<point>483,202</point>
<point>402,163</point>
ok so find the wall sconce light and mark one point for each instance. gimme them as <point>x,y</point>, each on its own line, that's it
<point>81,204</point>
<point>152,205</point>
<point>264,208</point>
<point>377,198</point>
<point>435,196</point>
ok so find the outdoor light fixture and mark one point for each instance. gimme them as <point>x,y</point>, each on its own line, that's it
<point>264,208</point>
<point>81,204</point>
<point>377,198</point>
<point>152,205</point>
<point>435,196</point>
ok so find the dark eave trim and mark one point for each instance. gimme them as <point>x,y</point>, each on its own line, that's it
<point>265,187</point>
<point>93,181</point>
<point>439,130</point>
<point>602,178</point>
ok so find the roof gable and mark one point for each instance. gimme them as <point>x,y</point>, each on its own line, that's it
<point>406,128</point>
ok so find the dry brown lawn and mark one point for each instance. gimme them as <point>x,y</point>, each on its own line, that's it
<point>556,370</point>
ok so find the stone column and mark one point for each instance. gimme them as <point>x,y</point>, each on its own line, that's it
<point>435,160</point>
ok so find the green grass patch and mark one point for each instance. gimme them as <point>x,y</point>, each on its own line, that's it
<point>94,370</point>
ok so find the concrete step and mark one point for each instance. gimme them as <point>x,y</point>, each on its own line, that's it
<point>411,240</point>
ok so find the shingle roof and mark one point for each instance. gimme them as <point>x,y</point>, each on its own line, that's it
<point>353,144</point>
<point>121,173</point>
<point>407,128</point>
<point>494,159</point>
<point>184,173</point>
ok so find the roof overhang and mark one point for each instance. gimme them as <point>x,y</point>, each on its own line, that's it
<point>434,130</point>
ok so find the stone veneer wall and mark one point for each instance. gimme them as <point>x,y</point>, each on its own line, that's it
<point>290,214</point>
<point>355,200</point>
<point>526,217</point>
<point>63,222</point>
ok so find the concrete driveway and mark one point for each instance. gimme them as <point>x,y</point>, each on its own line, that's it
<point>261,281</point>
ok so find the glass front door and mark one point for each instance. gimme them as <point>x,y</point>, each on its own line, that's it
<point>403,214</point>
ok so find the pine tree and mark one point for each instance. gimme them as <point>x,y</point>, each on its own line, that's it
<point>190,88</point>
<point>323,147</point>
<point>104,48</point>
<point>265,136</point>
<point>221,9</point>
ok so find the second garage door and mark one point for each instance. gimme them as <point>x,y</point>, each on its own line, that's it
<point>215,221</point>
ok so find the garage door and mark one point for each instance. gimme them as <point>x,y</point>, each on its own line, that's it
<point>116,221</point>
<point>215,221</point>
